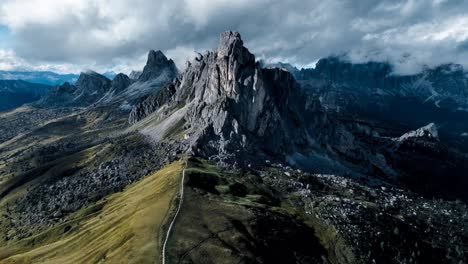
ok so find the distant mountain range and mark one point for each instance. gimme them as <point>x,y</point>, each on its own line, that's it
<point>92,87</point>
<point>18,88</point>
<point>371,91</point>
<point>343,163</point>
<point>42,77</point>
<point>15,93</point>
<point>445,86</point>
<point>45,77</point>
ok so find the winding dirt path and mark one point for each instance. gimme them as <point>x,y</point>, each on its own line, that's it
<point>175,216</point>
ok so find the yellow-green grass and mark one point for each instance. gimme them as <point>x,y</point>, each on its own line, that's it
<point>125,227</point>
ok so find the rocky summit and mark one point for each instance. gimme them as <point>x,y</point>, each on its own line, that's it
<point>89,88</point>
<point>157,62</point>
<point>228,103</point>
<point>231,160</point>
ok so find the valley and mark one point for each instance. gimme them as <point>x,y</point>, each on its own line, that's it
<point>279,168</point>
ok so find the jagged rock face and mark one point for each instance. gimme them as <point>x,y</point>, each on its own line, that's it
<point>134,75</point>
<point>156,65</point>
<point>226,105</point>
<point>230,104</point>
<point>65,88</point>
<point>123,91</point>
<point>234,104</point>
<point>92,83</point>
<point>120,82</point>
<point>445,86</point>
<point>429,166</point>
<point>284,66</point>
<point>89,88</point>
<point>158,72</point>
<point>371,91</point>
<point>428,132</point>
<point>151,104</point>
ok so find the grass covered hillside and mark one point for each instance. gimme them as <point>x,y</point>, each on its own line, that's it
<point>126,227</point>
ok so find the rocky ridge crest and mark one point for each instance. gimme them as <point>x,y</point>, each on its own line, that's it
<point>230,104</point>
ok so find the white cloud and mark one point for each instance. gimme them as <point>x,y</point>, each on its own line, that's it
<point>19,14</point>
<point>181,54</point>
<point>10,61</point>
<point>116,34</point>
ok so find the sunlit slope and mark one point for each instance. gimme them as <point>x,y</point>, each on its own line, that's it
<point>125,227</point>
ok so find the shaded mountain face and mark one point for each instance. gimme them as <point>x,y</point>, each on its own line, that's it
<point>134,75</point>
<point>350,193</point>
<point>229,104</point>
<point>127,91</point>
<point>426,164</point>
<point>371,91</point>
<point>120,82</point>
<point>123,91</point>
<point>89,88</point>
<point>157,65</point>
<point>16,93</point>
<point>444,86</point>
<point>225,106</point>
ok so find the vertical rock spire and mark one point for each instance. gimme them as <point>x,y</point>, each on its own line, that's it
<point>231,45</point>
<point>156,65</point>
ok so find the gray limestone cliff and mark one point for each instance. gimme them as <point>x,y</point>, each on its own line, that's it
<point>156,64</point>
<point>230,104</point>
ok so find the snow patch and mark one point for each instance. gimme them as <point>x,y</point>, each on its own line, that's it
<point>125,106</point>
<point>429,130</point>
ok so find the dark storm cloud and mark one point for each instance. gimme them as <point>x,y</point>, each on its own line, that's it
<point>117,33</point>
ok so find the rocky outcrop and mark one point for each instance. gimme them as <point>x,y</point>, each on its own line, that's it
<point>371,91</point>
<point>93,88</point>
<point>445,86</point>
<point>123,91</point>
<point>231,104</point>
<point>226,107</point>
<point>92,83</point>
<point>158,72</point>
<point>428,132</point>
<point>134,75</point>
<point>120,83</point>
<point>156,66</point>
<point>151,104</point>
<point>284,66</point>
<point>89,89</point>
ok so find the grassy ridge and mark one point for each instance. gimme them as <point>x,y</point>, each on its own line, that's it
<point>234,217</point>
<point>124,228</point>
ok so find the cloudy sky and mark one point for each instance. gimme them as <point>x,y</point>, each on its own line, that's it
<point>75,35</point>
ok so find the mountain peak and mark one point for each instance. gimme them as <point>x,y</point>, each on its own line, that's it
<point>428,131</point>
<point>231,45</point>
<point>157,64</point>
<point>229,41</point>
<point>91,77</point>
<point>229,104</point>
<point>120,82</point>
<point>90,73</point>
<point>156,57</point>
